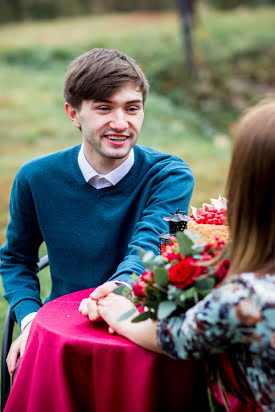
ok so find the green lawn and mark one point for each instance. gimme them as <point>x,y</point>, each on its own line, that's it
<point>186,117</point>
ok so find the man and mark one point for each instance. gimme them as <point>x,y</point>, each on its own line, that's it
<point>93,204</point>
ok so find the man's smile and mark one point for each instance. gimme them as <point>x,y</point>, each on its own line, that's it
<point>116,137</point>
<point>116,140</point>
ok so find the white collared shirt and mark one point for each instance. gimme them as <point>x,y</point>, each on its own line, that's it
<point>99,181</point>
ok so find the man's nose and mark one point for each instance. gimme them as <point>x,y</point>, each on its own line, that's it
<point>118,121</point>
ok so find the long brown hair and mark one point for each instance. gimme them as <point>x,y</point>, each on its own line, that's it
<point>250,191</point>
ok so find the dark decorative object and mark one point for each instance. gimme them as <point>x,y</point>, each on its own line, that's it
<point>177,223</point>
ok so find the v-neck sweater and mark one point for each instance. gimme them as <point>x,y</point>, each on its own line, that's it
<point>92,235</point>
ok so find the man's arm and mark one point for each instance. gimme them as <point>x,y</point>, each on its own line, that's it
<point>19,254</point>
<point>171,189</point>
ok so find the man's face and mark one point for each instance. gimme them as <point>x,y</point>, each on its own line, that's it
<point>110,127</point>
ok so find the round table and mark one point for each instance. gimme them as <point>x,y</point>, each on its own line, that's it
<point>71,364</point>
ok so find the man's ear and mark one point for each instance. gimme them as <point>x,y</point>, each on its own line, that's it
<point>72,114</point>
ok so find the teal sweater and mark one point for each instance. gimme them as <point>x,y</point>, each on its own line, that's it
<point>91,234</point>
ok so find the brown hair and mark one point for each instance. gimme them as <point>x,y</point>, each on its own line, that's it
<point>250,191</point>
<point>99,73</point>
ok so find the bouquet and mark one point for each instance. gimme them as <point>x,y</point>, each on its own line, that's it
<point>176,280</point>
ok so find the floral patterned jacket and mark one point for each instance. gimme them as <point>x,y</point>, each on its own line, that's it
<point>240,317</point>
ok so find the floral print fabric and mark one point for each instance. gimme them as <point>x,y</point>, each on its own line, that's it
<point>240,316</point>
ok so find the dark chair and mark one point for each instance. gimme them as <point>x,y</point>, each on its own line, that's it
<point>7,339</point>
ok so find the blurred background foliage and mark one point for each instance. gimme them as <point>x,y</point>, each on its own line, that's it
<point>18,10</point>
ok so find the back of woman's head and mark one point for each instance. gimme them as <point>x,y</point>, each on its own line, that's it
<point>251,191</point>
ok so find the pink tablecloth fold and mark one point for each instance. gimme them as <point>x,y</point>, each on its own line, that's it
<point>71,365</point>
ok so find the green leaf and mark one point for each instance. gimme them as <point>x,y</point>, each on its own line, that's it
<point>134,279</point>
<point>161,276</point>
<point>210,399</point>
<point>195,296</point>
<point>148,260</point>
<point>140,252</point>
<point>198,249</point>
<point>160,260</point>
<point>203,293</point>
<point>189,293</point>
<point>144,316</point>
<point>195,237</point>
<point>205,283</point>
<point>123,290</point>
<point>185,244</point>
<point>127,314</point>
<point>152,304</point>
<point>182,297</point>
<point>173,292</point>
<point>165,309</point>
<point>148,256</point>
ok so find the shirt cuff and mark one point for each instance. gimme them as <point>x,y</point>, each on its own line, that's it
<point>119,282</point>
<point>27,319</point>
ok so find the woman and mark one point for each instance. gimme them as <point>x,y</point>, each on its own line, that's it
<point>238,318</point>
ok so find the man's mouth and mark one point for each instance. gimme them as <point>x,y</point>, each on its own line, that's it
<point>116,138</point>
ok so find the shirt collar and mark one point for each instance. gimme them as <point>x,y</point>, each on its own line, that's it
<point>113,177</point>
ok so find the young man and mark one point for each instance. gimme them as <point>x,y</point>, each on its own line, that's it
<point>93,204</point>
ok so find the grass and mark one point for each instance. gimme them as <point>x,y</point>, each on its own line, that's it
<point>186,117</point>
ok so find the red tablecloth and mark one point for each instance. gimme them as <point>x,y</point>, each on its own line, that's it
<point>71,364</point>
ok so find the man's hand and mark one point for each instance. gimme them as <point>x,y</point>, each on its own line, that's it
<point>88,307</point>
<point>103,290</point>
<point>17,348</point>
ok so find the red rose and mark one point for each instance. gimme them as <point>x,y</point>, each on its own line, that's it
<point>183,274</point>
<point>139,288</point>
<point>222,270</point>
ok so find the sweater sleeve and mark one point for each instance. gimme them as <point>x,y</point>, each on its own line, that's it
<point>229,315</point>
<point>19,253</point>
<point>171,188</point>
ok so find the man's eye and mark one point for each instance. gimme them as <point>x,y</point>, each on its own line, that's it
<point>103,108</point>
<point>132,109</point>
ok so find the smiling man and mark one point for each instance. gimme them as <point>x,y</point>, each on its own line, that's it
<point>93,204</point>
<point>110,127</point>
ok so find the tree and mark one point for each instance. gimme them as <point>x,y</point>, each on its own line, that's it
<point>187,11</point>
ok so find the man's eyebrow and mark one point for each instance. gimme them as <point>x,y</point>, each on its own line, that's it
<point>101,101</point>
<point>134,101</point>
<point>110,101</point>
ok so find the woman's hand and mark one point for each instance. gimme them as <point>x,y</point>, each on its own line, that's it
<point>111,308</point>
<point>88,306</point>
<point>142,333</point>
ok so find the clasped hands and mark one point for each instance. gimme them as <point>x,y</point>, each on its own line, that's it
<point>105,305</point>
